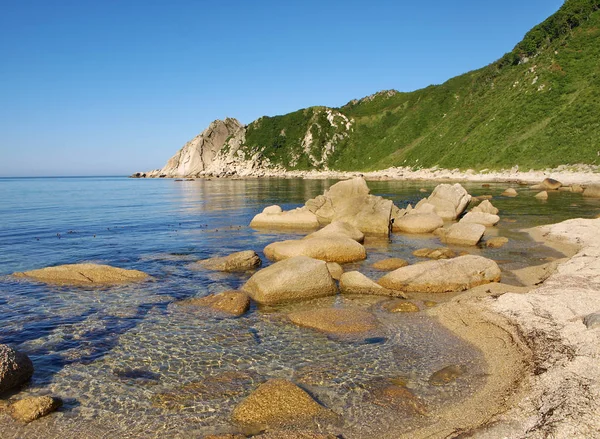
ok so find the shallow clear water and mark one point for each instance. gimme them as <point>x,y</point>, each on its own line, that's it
<point>130,364</point>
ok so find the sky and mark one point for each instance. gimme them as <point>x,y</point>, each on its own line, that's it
<point>113,87</point>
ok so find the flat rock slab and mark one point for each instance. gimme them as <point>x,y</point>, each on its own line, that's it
<point>354,282</point>
<point>485,219</point>
<point>84,274</point>
<point>239,261</point>
<point>441,276</point>
<point>435,253</point>
<point>297,219</point>
<point>278,403</point>
<point>297,278</point>
<point>339,249</point>
<point>29,409</point>
<point>15,368</point>
<point>390,264</point>
<point>461,234</point>
<point>230,302</point>
<point>335,320</point>
<point>418,223</point>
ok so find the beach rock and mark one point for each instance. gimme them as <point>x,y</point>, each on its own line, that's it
<point>435,253</point>
<point>272,210</point>
<point>297,278</point>
<point>335,270</point>
<point>496,242</point>
<point>337,229</point>
<point>510,192</point>
<point>299,219</point>
<point>337,248</point>
<point>400,306</point>
<point>592,320</point>
<point>446,375</point>
<point>231,302</point>
<point>441,276</point>
<point>29,409</point>
<point>485,207</point>
<point>240,261</point>
<point>278,402</point>
<point>576,188</point>
<point>390,264</point>
<point>296,434</point>
<point>350,201</point>
<point>550,184</point>
<point>335,320</point>
<point>450,201</point>
<point>461,234</point>
<point>353,282</point>
<point>15,368</point>
<point>485,219</point>
<point>384,393</point>
<point>84,274</point>
<point>225,436</point>
<point>418,223</point>
<point>542,195</point>
<point>592,191</point>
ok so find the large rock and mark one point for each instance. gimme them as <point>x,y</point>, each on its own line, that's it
<point>390,264</point>
<point>240,261</point>
<point>32,408</point>
<point>485,219</point>
<point>297,278</point>
<point>335,320</point>
<point>443,276</point>
<point>450,201</point>
<point>330,249</point>
<point>550,184</point>
<point>354,282</point>
<point>418,223</point>
<point>435,253</point>
<point>15,368</point>
<point>461,234</point>
<point>335,270</point>
<point>509,192</point>
<point>84,274</point>
<point>592,191</point>
<point>230,302</point>
<point>485,207</point>
<point>273,218</point>
<point>277,403</point>
<point>339,228</point>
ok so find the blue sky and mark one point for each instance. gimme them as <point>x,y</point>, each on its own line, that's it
<point>113,87</point>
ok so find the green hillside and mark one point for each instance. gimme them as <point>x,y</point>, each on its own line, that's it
<point>538,106</point>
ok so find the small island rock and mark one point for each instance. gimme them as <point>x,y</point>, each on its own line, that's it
<point>84,274</point>
<point>15,368</point>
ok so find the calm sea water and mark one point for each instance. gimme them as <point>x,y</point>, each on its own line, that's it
<point>130,364</point>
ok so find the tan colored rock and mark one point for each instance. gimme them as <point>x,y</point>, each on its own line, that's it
<point>278,402</point>
<point>239,261</point>
<point>510,192</point>
<point>461,234</point>
<point>330,249</point>
<point>496,242</point>
<point>32,408</point>
<point>353,282</point>
<point>231,302</point>
<point>385,393</point>
<point>542,195</point>
<point>335,270</point>
<point>337,229</point>
<point>485,219</point>
<point>390,264</point>
<point>592,191</point>
<point>335,320</point>
<point>225,436</point>
<point>446,375</point>
<point>441,276</point>
<point>297,278</point>
<point>576,188</point>
<point>296,434</point>
<point>297,219</point>
<point>485,207</point>
<point>15,368</point>
<point>272,210</point>
<point>401,306</point>
<point>550,184</point>
<point>418,223</point>
<point>450,201</point>
<point>84,274</point>
<point>435,253</point>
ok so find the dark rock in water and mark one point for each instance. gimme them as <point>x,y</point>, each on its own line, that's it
<point>29,409</point>
<point>140,375</point>
<point>592,320</point>
<point>446,375</point>
<point>15,368</point>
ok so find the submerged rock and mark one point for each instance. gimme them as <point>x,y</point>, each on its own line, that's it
<point>390,264</point>
<point>335,320</point>
<point>297,278</point>
<point>353,282</point>
<point>542,195</point>
<point>240,261</point>
<point>337,248</point>
<point>461,234</point>
<point>385,393</point>
<point>400,306</point>
<point>435,253</point>
<point>446,375</point>
<point>418,223</point>
<point>278,403</point>
<point>15,368</point>
<point>496,242</point>
<point>32,408</point>
<point>510,192</point>
<point>84,274</point>
<point>231,302</point>
<point>447,275</point>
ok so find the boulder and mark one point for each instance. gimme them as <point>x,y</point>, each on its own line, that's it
<point>550,184</point>
<point>450,201</point>
<point>339,228</point>
<point>542,195</point>
<point>32,408</point>
<point>461,234</point>
<point>496,242</point>
<point>278,402</point>
<point>15,368</point>
<point>592,321</point>
<point>272,218</point>
<point>435,253</point>
<point>390,264</point>
<point>510,192</point>
<point>485,219</point>
<point>335,270</point>
<point>485,207</point>
<point>335,320</point>
<point>394,395</point>
<point>353,282</point>
<point>330,249</point>
<point>240,261</point>
<point>441,276</point>
<point>446,375</point>
<point>592,191</point>
<point>297,278</point>
<point>400,306</point>
<point>418,223</point>
<point>84,274</point>
<point>576,188</point>
<point>230,302</point>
